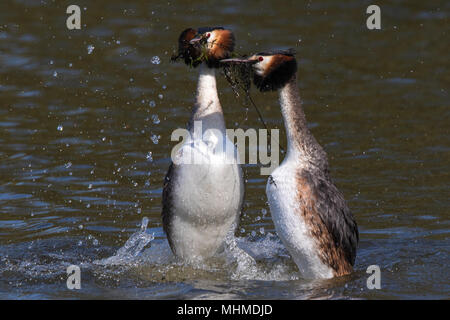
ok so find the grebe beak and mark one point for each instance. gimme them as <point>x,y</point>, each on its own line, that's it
<point>196,40</point>
<point>239,61</point>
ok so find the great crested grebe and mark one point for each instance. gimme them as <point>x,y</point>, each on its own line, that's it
<point>309,213</point>
<point>202,200</point>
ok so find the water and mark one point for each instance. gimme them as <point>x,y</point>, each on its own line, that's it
<point>81,111</point>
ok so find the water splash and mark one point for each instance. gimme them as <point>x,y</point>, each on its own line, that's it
<point>244,265</point>
<point>246,258</point>
<point>132,248</point>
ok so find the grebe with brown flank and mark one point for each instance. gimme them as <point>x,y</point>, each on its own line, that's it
<point>202,202</point>
<point>310,214</point>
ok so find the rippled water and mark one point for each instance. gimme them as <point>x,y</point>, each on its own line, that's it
<point>85,124</point>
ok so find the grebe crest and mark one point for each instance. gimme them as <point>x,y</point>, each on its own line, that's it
<point>206,44</point>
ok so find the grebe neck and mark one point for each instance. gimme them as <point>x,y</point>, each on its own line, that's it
<point>301,143</point>
<point>207,106</point>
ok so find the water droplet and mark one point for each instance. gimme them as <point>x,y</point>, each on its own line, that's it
<point>80,227</point>
<point>155,138</point>
<point>90,185</point>
<point>68,165</point>
<point>156,60</point>
<point>155,119</point>
<point>160,96</point>
<point>55,74</point>
<point>261,230</point>
<point>152,104</point>
<point>51,62</point>
<point>144,224</point>
<point>60,128</point>
<point>253,233</point>
<point>90,48</point>
<point>149,156</point>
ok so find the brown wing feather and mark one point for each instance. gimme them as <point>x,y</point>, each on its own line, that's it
<point>167,202</point>
<point>330,221</point>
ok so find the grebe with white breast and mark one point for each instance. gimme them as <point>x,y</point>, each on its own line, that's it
<point>202,200</point>
<point>310,214</point>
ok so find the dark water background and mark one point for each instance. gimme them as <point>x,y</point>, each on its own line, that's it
<point>85,124</point>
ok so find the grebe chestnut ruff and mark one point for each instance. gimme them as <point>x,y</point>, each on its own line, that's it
<point>309,213</point>
<point>202,201</point>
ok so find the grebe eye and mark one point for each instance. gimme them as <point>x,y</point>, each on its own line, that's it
<point>260,58</point>
<point>208,35</point>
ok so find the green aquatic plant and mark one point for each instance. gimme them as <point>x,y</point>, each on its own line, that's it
<point>195,59</point>
<point>239,77</point>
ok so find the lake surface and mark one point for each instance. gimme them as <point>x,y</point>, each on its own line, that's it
<point>85,124</point>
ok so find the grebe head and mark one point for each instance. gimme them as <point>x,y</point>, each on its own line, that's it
<point>271,70</point>
<point>207,44</point>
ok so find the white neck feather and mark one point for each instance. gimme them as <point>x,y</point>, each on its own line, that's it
<point>302,146</point>
<point>207,107</point>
